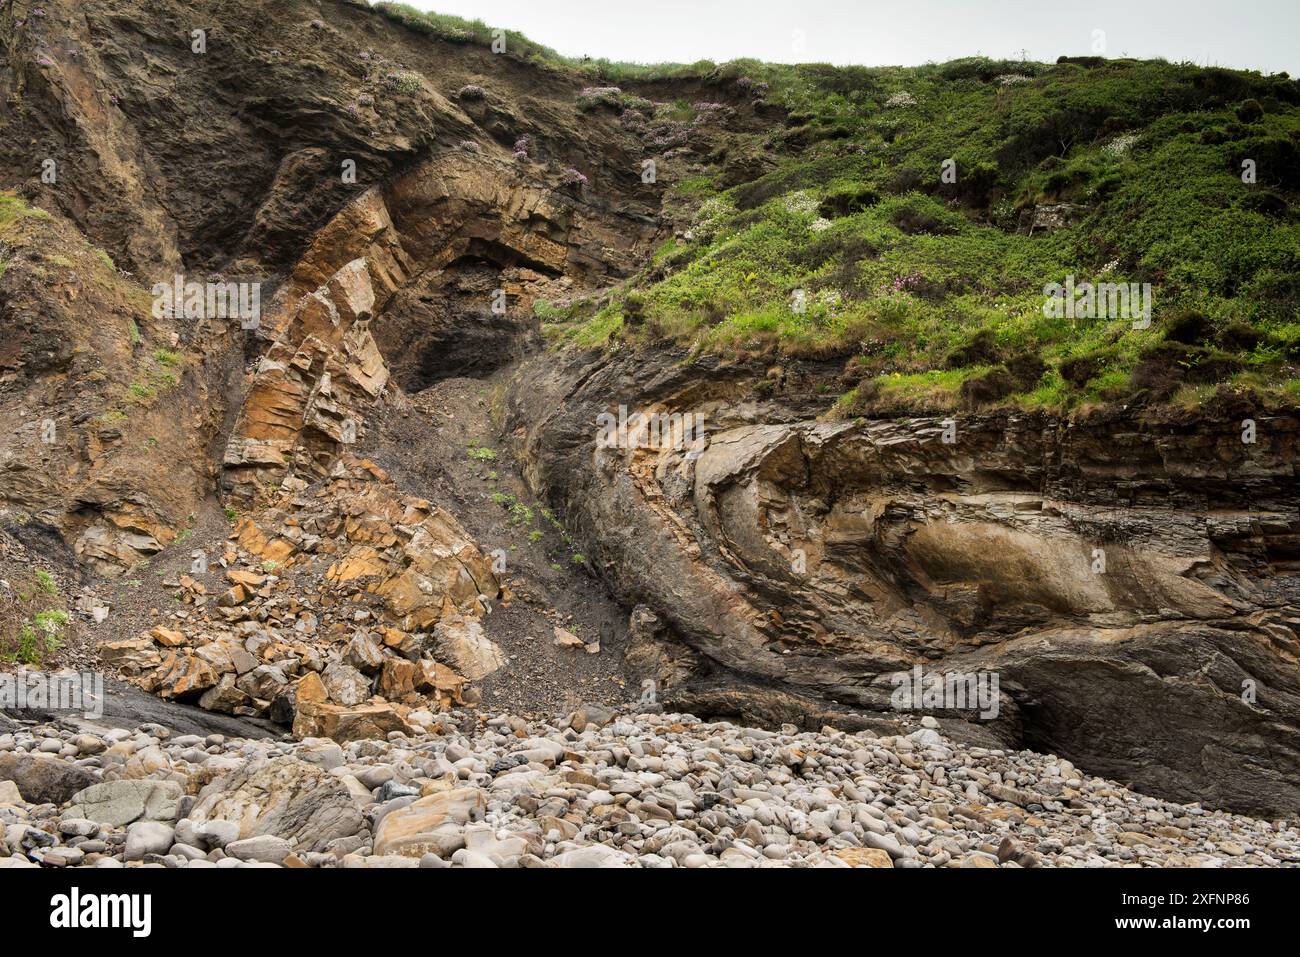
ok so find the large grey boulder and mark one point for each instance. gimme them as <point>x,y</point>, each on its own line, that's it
<point>116,803</point>
<point>44,780</point>
<point>285,798</point>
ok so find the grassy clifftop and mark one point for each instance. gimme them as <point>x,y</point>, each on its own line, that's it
<point>911,221</point>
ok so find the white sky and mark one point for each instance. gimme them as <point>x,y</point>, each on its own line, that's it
<point>1259,34</point>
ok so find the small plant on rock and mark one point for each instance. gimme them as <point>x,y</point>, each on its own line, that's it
<point>405,82</point>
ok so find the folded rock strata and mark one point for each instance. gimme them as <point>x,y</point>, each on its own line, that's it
<point>1136,586</point>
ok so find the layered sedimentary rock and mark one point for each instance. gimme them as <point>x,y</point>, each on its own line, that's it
<point>309,392</point>
<point>1131,579</point>
<point>118,104</point>
<point>1135,584</point>
<point>106,415</point>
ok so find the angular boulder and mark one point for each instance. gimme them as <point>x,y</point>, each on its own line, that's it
<point>284,798</point>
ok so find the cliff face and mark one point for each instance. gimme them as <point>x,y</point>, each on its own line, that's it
<point>1130,574</point>
<point>382,212</point>
<point>286,152</point>
<point>1124,575</point>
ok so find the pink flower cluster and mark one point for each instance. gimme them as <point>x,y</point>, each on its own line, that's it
<point>597,95</point>
<point>901,284</point>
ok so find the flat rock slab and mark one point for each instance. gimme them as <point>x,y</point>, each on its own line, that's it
<point>126,706</point>
<point>124,802</point>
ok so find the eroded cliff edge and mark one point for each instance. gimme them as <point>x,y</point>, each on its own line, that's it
<point>783,574</point>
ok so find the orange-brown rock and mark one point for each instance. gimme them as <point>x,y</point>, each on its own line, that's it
<point>184,676</point>
<point>311,690</point>
<point>343,724</point>
<point>397,679</point>
<point>249,580</point>
<point>132,655</point>
<point>167,637</point>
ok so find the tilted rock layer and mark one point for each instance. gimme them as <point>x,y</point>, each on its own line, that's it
<point>1135,584</point>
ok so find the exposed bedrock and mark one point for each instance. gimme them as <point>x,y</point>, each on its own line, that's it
<point>434,275</point>
<point>1134,585</point>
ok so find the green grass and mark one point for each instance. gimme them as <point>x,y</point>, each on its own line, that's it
<point>38,637</point>
<point>517,46</point>
<point>931,293</point>
<point>51,621</point>
<point>30,650</point>
<point>13,210</point>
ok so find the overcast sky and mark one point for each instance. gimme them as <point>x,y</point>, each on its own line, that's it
<point>1259,34</point>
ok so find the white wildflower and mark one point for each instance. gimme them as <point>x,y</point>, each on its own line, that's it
<point>1120,145</point>
<point>801,203</point>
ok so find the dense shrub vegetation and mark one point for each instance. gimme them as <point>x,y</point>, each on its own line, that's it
<point>855,246</point>
<point>933,288</point>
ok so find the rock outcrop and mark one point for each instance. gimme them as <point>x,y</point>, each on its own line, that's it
<point>1130,578</point>
<point>1133,583</point>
